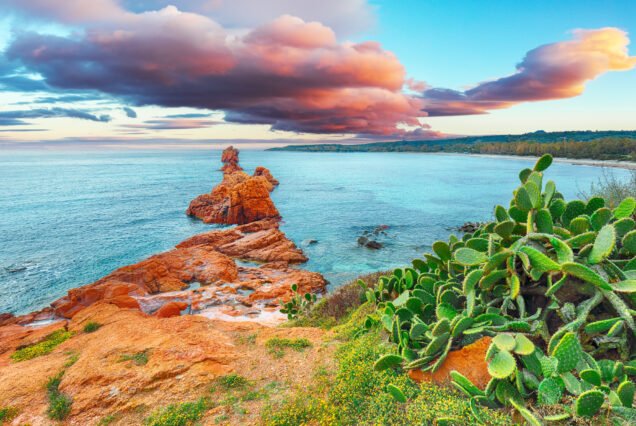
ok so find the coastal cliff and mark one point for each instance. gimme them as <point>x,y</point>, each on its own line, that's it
<point>178,314</point>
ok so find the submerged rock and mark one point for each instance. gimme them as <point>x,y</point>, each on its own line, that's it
<point>239,198</point>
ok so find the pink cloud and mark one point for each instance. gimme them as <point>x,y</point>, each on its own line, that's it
<point>290,74</point>
<point>552,71</point>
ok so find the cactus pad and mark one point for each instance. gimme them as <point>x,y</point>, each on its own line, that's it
<point>589,403</point>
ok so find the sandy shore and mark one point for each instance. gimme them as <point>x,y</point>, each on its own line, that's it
<point>629,165</point>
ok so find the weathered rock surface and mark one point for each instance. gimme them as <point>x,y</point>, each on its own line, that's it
<point>207,260</point>
<point>239,198</point>
<point>469,361</point>
<point>185,354</point>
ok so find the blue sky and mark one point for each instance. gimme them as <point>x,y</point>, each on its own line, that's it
<point>312,75</point>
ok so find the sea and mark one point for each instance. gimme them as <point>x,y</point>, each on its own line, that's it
<point>70,217</point>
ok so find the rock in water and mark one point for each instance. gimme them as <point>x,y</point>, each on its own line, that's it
<point>239,198</point>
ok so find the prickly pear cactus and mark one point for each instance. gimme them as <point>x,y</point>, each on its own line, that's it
<point>552,282</point>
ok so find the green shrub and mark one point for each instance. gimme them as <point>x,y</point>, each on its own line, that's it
<point>59,403</point>
<point>232,381</point>
<point>184,414</point>
<point>277,345</point>
<point>7,414</point>
<point>44,347</point>
<point>139,358</point>
<point>91,327</point>
<point>554,284</point>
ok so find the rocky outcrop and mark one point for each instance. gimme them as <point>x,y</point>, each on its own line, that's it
<point>206,260</point>
<point>185,354</point>
<point>230,159</point>
<point>239,198</point>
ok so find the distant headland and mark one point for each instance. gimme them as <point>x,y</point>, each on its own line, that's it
<point>595,145</point>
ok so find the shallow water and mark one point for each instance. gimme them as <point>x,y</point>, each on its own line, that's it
<point>69,218</point>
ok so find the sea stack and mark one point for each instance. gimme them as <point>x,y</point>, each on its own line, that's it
<point>239,198</point>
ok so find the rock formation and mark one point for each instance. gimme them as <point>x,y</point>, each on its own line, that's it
<point>239,198</point>
<point>208,260</point>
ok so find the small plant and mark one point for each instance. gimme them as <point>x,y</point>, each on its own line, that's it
<point>91,327</point>
<point>44,347</point>
<point>59,403</point>
<point>106,420</point>
<point>139,358</point>
<point>297,304</point>
<point>184,414</point>
<point>7,414</point>
<point>277,345</point>
<point>72,358</point>
<point>232,381</point>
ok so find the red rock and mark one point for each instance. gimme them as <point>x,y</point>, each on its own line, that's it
<point>261,241</point>
<point>262,171</point>
<point>470,361</point>
<point>171,309</point>
<point>239,198</point>
<point>230,159</point>
<point>124,302</point>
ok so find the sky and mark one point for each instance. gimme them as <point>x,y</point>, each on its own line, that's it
<point>274,72</point>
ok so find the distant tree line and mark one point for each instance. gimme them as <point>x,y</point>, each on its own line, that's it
<point>598,149</point>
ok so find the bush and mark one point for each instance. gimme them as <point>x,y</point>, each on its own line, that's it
<point>232,381</point>
<point>44,347</point>
<point>612,189</point>
<point>278,345</point>
<point>92,326</point>
<point>183,414</point>
<point>552,282</point>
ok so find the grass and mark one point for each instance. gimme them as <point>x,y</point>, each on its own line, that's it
<point>338,305</point>
<point>184,414</point>
<point>91,327</point>
<point>44,347</point>
<point>232,381</point>
<point>250,339</point>
<point>277,345</point>
<point>7,414</point>
<point>356,394</point>
<point>106,420</point>
<point>139,358</point>
<point>59,403</point>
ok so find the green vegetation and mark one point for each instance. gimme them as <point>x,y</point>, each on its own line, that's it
<point>612,189</point>
<point>604,145</point>
<point>356,394</point>
<point>106,420</point>
<point>59,403</point>
<point>554,284</point>
<point>7,414</point>
<point>233,381</point>
<point>139,358</point>
<point>44,347</point>
<point>298,304</point>
<point>278,345</point>
<point>91,327</point>
<point>184,414</point>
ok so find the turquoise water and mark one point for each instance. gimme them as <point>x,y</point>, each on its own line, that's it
<point>68,218</point>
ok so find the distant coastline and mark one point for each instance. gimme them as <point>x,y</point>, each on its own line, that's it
<point>618,164</point>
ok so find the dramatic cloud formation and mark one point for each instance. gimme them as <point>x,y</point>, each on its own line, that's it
<point>15,118</point>
<point>290,74</point>
<point>260,65</point>
<point>552,71</point>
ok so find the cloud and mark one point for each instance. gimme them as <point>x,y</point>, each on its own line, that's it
<point>172,124</point>
<point>130,113</point>
<point>190,115</point>
<point>552,71</point>
<point>288,73</point>
<point>14,118</point>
